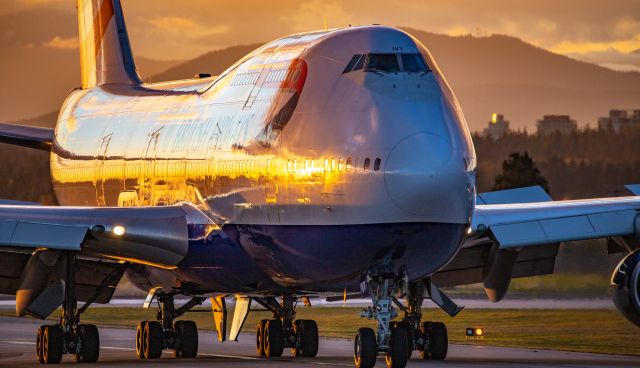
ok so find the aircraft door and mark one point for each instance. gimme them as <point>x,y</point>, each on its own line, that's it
<point>147,186</point>
<point>99,178</point>
<point>210,177</point>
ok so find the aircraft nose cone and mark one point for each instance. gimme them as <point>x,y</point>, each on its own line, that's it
<point>425,177</point>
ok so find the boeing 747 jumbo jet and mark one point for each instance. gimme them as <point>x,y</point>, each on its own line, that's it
<point>323,164</point>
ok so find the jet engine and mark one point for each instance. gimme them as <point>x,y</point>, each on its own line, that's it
<point>625,287</point>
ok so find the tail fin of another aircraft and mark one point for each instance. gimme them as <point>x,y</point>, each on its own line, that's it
<point>105,52</point>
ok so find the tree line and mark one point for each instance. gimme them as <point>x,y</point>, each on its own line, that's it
<point>587,163</point>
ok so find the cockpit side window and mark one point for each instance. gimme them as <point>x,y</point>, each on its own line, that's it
<point>360,63</point>
<point>382,62</point>
<point>354,61</point>
<point>414,63</point>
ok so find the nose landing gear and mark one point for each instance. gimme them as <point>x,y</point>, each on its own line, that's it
<point>396,340</point>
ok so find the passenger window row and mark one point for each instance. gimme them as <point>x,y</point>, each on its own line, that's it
<point>331,165</point>
<point>388,63</point>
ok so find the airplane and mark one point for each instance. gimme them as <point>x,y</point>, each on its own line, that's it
<point>326,164</point>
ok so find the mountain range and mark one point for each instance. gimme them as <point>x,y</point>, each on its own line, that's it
<point>493,74</point>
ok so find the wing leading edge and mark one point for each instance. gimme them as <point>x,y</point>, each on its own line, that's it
<point>526,224</point>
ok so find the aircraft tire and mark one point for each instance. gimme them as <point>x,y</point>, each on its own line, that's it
<point>397,355</point>
<point>273,338</point>
<point>260,331</point>
<point>140,339</point>
<point>153,340</point>
<point>89,344</point>
<point>309,338</point>
<point>186,339</point>
<point>438,341</point>
<point>410,336</point>
<point>52,341</point>
<point>365,348</point>
<point>296,350</point>
<point>39,335</point>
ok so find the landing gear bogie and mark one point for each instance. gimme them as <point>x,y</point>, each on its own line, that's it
<point>68,336</point>
<point>284,331</point>
<point>180,336</point>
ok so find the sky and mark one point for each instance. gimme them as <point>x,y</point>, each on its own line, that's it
<point>601,31</point>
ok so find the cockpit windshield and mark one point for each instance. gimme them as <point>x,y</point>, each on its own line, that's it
<point>382,62</point>
<point>413,63</point>
<point>388,63</point>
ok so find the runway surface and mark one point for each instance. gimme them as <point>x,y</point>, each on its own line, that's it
<point>17,348</point>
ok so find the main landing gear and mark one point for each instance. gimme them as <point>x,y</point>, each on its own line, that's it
<point>284,331</point>
<point>152,337</point>
<point>68,336</point>
<point>396,340</point>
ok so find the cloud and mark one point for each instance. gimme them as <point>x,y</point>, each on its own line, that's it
<point>172,23</point>
<point>164,29</point>
<point>192,28</point>
<point>578,47</point>
<point>611,58</point>
<point>62,43</point>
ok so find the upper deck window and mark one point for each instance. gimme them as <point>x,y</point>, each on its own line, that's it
<point>382,62</point>
<point>414,63</point>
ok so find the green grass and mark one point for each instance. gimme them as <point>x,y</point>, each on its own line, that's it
<point>597,331</point>
<point>565,285</point>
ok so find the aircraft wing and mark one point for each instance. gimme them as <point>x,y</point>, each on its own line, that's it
<point>27,136</point>
<point>511,236</point>
<point>107,241</point>
<point>527,224</point>
<point>148,235</point>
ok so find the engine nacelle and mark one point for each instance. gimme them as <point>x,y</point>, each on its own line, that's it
<point>625,287</point>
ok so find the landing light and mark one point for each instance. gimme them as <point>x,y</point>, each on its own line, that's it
<point>119,230</point>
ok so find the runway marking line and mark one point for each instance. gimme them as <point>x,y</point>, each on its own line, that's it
<point>201,354</point>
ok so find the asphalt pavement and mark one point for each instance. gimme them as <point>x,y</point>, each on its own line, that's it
<point>17,349</point>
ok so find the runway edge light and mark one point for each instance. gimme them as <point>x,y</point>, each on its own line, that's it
<point>474,333</point>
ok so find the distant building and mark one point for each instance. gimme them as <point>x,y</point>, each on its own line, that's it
<point>497,127</point>
<point>619,120</point>
<point>552,124</point>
